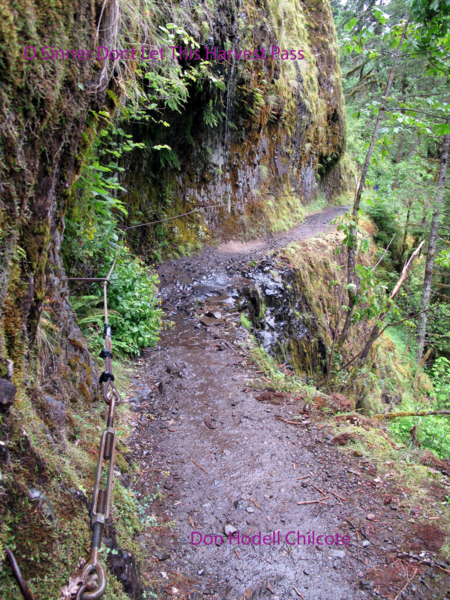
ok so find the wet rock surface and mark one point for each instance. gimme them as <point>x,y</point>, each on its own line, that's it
<point>282,320</point>
<point>254,471</point>
<point>7,394</point>
<point>122,565</point>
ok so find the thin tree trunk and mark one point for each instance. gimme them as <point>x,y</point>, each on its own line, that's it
<point>405,234</point>
<point>410,413</point>
<point>351,248</point>
<point>399,156</point>
<point>375,333</point>
<point>426,292</point>
<point>398,160</point>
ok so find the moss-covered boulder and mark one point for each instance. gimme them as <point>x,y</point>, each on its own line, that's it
<point>294,305</point>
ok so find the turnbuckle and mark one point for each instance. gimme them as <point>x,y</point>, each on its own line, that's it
<point>101,498</point>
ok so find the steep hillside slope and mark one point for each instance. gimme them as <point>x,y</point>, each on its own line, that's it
<point>293,304</point>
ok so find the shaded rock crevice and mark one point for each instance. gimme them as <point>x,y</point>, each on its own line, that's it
<point>279,135</point>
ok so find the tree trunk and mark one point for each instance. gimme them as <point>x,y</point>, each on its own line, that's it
<point>426,292</point>
<point>405,234</point>
<point>352,243</point>
<point>375,333</point>
<point>399,156</point>
<point>398,160</point>
<point>410,413</point>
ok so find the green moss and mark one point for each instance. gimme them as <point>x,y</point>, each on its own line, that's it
<point>266,105</point>
<point>43,108</point>
<point>245,322</point>
<point>58,467</point>
<point>383,378</point>
<point>278,379</point>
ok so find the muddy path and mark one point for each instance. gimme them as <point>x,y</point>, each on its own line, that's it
<point>223,461</point>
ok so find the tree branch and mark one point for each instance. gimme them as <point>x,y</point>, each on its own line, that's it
<point>411,413</point>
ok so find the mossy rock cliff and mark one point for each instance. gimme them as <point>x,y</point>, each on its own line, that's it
<point>278,137</point>
<point>47,447</point>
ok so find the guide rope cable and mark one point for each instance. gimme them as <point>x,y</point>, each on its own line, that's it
<point>101,498</point>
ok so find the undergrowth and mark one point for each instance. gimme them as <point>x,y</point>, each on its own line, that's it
<point>398,464</point>
<point>274,376</point>
<point>133,306</point>
<point>431,432</point>
<point>53,535</point>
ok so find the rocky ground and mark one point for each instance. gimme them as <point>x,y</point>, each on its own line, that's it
<point>217,456</point>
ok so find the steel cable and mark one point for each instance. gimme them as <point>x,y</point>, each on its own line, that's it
<point>101,497</point>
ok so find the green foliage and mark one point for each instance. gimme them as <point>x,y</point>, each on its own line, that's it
<point>400,186</point>
<point>169,158</point>
<point>279,380</point>
<point>132,302</point>
<point>443,259</point>
<point>434,14</point>
<point>346,225</point>
<point>144,505</point>
<point>209,116</point>
<point>388,230</point>
<point>91,222</point>
<point>245,322</point>
<point>440,376</point>
<point>371,300</point>
<point>432,432</point>
<point>438,328</point>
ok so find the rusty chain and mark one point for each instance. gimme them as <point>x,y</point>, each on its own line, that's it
<point>101,498</point>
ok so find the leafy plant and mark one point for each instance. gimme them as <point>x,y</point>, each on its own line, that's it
<point>440,376</point>
<point>245,322</point>
<point>133,306</point>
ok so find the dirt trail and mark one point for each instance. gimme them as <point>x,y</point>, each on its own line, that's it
<point>221,457</point>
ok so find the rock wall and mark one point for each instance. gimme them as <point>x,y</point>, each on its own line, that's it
<point>284,320</point>
<point>43,107</point>
<point>47,447</point>
<point>279,137</point>
<point>278,141</point>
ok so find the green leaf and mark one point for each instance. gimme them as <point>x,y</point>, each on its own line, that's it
<point>350,25</point>
<point>443,129</point>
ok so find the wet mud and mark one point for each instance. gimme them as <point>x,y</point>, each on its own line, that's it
<point>218,464</point>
